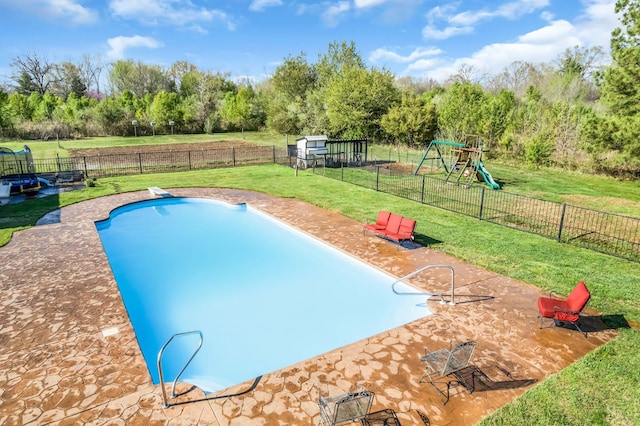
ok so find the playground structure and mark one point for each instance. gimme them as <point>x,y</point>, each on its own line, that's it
<point>462,162</point>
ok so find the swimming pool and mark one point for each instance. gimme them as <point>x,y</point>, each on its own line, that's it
<point>264,294</point>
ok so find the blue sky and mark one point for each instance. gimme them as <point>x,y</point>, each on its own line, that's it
<point>250,38</point>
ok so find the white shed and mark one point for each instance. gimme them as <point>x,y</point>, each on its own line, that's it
<point>311,150</point>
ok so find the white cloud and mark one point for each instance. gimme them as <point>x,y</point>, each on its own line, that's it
<point>547,16</point>
<point>362,4</point>
<point>120,44</point>
<point>422,66</point>
<point>597,22</point>
<point>542,45</point>
<point>260,5</point>
<point>173,12</point>
<point>382,54</point>
<point>553,33</point>
<point>332,15</point>
<point>539,46</point>
<point>432,33</point>
<point>440,12</point>
<point>67,10</point>
<point>510,10</point>
<point>456,24</point>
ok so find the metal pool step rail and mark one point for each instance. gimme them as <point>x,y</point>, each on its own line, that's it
<point>165,403</point>
<point>440,295</point>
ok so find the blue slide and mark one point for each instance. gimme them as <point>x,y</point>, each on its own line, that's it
<point>486,176</point>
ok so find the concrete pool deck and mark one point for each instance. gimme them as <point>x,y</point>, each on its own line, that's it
<point>69,355</point>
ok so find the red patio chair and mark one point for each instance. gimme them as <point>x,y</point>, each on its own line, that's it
<point>381,222</point>
<point>567,310</point>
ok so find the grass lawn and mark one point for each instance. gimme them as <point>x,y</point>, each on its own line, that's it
<point>602,388</point>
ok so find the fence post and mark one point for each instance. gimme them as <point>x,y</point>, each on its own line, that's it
<point>84,159</point>
<point>422,191</point>
<point>564,209</point>
<point>140,162</point>
<point>273,150</point>
<point>378,178</point>
<point>189,157</point>
<point>233,155</point>
<point>481,203</point>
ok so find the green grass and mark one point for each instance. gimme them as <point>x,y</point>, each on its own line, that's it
<point>564,186</point>
<point>580,189</point>
<point>601,388</point>
<point>559,185</point>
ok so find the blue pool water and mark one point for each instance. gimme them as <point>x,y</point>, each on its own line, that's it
<point>264,294</point>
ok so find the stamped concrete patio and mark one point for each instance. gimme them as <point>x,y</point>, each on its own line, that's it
<point>60,363</point>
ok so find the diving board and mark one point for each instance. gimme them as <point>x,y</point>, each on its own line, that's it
<point>159,192</point>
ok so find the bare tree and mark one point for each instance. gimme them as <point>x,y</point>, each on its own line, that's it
<point>467,73</point>
<point>68,80</point>
<point>516,77</point>
<point>90,70</point>
<point>32,73</point>
<point>177,71</point>
<point>416,85</point>
<point>580,61</point>
<point>138,78</point>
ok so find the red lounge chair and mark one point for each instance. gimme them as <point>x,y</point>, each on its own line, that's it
<point>392,226</point>
<point>407,226</point>
<point>567,310</point>
<point>381,221</point>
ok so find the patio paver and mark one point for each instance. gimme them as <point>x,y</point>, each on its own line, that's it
<point>59,295</point>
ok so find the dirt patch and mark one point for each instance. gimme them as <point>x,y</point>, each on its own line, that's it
<point>140,149</point>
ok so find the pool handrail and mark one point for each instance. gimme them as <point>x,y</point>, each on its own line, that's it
<point>165,403</point>
<point>418,293</point>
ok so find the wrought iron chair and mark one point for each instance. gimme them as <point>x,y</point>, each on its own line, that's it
<point>347,407</point>
<point>444,363</point>
<point>567,310</point>
<point>386,417</point>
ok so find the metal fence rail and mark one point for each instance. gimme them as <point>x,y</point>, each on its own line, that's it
<point>608,233</point>
<point>96,166</point>
<point>600,231</point>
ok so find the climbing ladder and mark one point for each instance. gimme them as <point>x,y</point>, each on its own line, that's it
<point>465,168</point>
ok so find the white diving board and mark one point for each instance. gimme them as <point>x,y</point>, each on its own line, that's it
<point>154,190</point>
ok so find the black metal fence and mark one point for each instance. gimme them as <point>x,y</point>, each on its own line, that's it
<point>608,233</point>
<point>600,231</point>
<point>95,166</point>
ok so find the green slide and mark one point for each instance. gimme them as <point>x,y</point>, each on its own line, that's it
<point>486,176</point>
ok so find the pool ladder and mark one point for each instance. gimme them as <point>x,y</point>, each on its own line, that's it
<point>418,293</point>
<point>165,403</point>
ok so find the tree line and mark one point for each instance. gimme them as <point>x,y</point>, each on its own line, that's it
<point>573,112</point>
